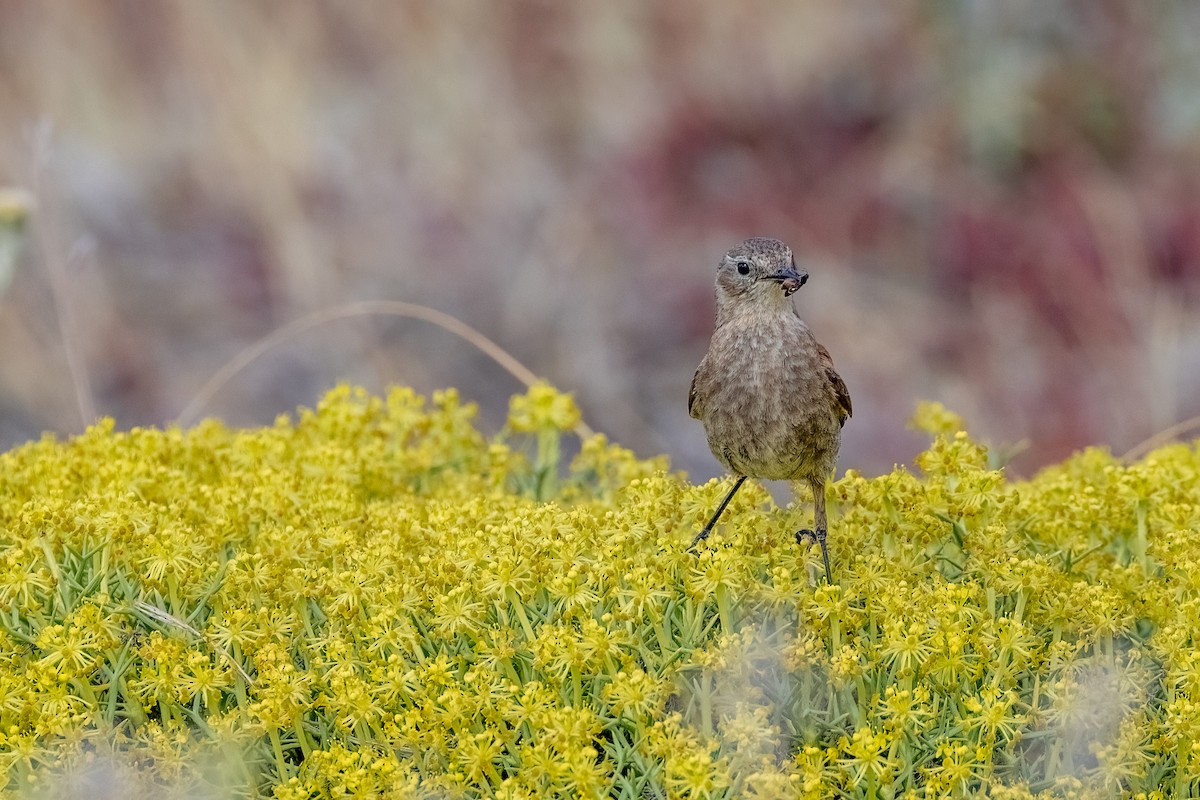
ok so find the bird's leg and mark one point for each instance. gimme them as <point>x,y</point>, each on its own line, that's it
<point>818,490</point>
<point>702,535</point>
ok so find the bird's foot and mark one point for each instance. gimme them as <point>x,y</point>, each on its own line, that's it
<point>700,537</point>
<point>806,536</point>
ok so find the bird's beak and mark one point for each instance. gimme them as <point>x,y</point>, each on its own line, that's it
<point>789,279</point>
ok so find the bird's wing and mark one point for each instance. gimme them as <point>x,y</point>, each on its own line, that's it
<point>692,408</point>
<point>840,391</point>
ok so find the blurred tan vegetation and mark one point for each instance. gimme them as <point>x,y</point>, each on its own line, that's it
<point>999,205</point>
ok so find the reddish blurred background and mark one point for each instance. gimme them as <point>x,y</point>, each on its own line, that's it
<point>999,205</point>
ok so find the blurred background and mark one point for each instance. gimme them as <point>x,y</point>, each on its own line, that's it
<point>998,203</point>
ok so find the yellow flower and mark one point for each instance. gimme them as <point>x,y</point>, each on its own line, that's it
<point>867,756</point>
<point>846,665</point>
<point>15,205</point>
<point>991,714</point>
<point>68,650</point>
<point>635,695</point>
<point>906,647</point>
<point>905,711</point>
<point>936,420</point>
<point>371,598</point>
<point>542,408</point>
<point>955,769</point>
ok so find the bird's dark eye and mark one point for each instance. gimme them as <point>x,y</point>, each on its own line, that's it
<point>743,267</point>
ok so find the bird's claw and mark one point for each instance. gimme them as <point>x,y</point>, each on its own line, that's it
<point>812,538</point>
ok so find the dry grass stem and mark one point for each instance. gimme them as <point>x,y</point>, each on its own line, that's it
<point>1177,431</point>
<point>167,618</point>
<point>60,285</point>
<point>393,308</point>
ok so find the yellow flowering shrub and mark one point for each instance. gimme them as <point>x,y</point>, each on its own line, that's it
<point>372,599</point>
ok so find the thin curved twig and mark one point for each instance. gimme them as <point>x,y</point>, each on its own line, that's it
<point>1170,434</point>
<point>394,308</point>
<point>58,272</point>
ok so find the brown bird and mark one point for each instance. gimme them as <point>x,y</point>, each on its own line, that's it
<point>771,403</point>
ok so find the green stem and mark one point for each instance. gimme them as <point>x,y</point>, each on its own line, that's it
<point>1142,537</point>
<point>56,571</point>
<point>301,734</point>
<point>133,706</point>
<point>705,694</point>
<point>1181,772</point>
<point>546,469</point>
<point>86,692</point>
<point>281,764</point>
<point>724,608</point>
<point>104,552</point>
<point>515,601</point>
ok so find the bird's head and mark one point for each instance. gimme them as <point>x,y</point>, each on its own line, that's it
<point>760,271</point>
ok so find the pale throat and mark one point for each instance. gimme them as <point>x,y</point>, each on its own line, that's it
<point>766,308</point>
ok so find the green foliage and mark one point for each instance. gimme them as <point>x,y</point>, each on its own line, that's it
<point>374,600</point>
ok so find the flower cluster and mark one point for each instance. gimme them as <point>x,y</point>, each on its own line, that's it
<point>372,599</point>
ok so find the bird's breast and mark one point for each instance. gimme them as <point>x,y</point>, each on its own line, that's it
<point>766,409</point>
